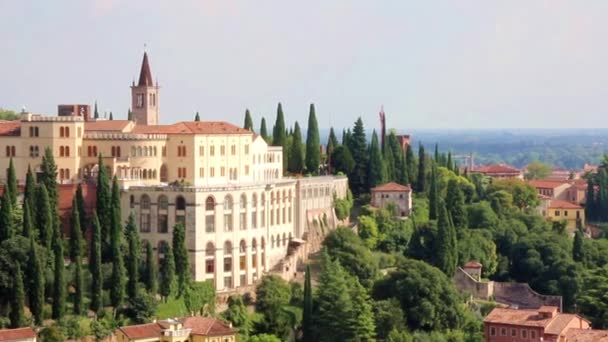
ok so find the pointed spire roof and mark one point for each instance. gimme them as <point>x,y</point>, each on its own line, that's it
<point>145,75</point>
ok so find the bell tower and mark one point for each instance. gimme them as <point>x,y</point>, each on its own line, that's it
<point>144,97</point>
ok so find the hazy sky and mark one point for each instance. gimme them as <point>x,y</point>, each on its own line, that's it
<point>432,64</point>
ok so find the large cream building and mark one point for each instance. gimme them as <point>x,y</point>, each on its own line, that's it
<point>223,182</point>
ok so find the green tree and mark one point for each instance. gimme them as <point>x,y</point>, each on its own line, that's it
<point>118,277</point>
<point>578,249</point>
<point>590,201</point>
<point>279,135</point>
<point>357,144</point>
<point>95,267</point>
<point>76,253</point>
<point>81,206</point>
<point>307,309</point>
<point>537,170</point>
<point>237,315</point>
<point>376,168</point>
<point>272,295</point>
<point>410,165</point>
<point>134,248</point>
<point>52,334</point>
<point>199,297</point>
<point>264,131</point>
<point>342,160</point>
<point>591,300</point>
<point>296,158</point>
<point>167,274</point>
<point>17,315</point>
<point>446,247</point>
<point>455,204</point>
<point>11,183</point>
<point>368,231</point>
<point>49,178</point>
<point>180,252</point>
<point>30,193</point>
<point>524,195</point>
<point>346,247</point>
<point>449,163</point>
<point>248,121</point>
<point>421,181</point>
<point>59,283</point>
<point>130,115</point>
<point>197,117</point>
<point>264,338</point>
<point>332,141</point>
<point>151,276</point>
<point>111,116</point>
<point>433,194</point>
<point>142,308</point>
<point>36,279</point>
<point>95,112</point>
<point>104,208</point>
<point>313,143</point>
<point>6,218</point>
<point>388,316</point>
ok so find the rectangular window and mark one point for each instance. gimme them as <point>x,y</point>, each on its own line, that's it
<point>557,213</point>
<point>222,172</point>
<point>233,150</point>
<point>503,331</point>
<point>247,149</point>
<point>532,334</point>
<point>242,262</point>
<point>201,172</point>
<point>164,151</point>
<point>254,220</point>
<point>34,152</point>
<point>524,334</point>
<point>513,332</point>
<point>228,281</point>
<point>254,261</point>
<point>227,222</point>
<point>243,221</point>
<point>492,331</point>
<point>271,217</point>
<point>246,170</point>
<point>243,280</point>
<point>222,150</point>
<point>163,224</point>
<point>210,223</point>
<point>211,172</point>
<point>263,218</point>
<point>227,264</point>
<point>209,266</point>
<point>201,150</point>
<point>211,150</point>
<point>145,223</point>
<point>565,212</point>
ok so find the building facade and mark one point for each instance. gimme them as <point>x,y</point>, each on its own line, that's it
<point>393,194</point>
<point>223,182</point>
<point>187,329</point>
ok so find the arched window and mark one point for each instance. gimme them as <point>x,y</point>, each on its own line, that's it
<point>180,203</point>
<point>162,249</point>
<point>243,212</point>
<point>242,246</point>
<point>132,201</point>
<point>243,261</point>
<point>145,202</point>
<point>139,151</point>
<point>254,245</point>
<point>263,211</point>
<point>254,213</point>
<point>163,214</point>
<point>144,225</point>
<point>228,224</point>
<point>228,259</point>
<point>210,258</point>
<point>210,215</point>
<point>228,202</point>
<point>180,210</point>
<point>164,175</point>
<point>145,174</point>
<point>133,151</point>
<point>243,202</point>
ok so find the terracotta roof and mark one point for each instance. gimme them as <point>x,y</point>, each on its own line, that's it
<point>145,75</point>
<point>392,186</point>
<point>546,183</point>
<point>586,335</point>
<point>558,204</point>
<point>193,127</point>
<point>497,168</point>
<point>142,330</point>
<point>207,326</point>
<point>529,318</point>
<point>10,128</point>
<point>16,334</point>
<point>473,264</point>
<point>559,323</point>
<point>106,125</point>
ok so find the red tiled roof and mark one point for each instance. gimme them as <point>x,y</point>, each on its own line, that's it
<point>16,334</point>
<point>193,127</point>
<point>497,168</point>
<point>142,330</point>
<point>559,323</point>
<point>473,264</point>
<point>106,125</point>
<point>207,326</point>
<point>145,75</point>
<point>586,335</point>
<point>558,204</point>
<point>392,186</point>
<point>546,183</point>
<point>529,318</point>
<point>10,128</point>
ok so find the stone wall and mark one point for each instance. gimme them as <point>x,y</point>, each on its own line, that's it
<point>478,289</point>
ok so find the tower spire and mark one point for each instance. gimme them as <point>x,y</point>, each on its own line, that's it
<point>145,75</point>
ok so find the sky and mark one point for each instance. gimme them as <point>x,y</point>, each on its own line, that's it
<point>432,64</point>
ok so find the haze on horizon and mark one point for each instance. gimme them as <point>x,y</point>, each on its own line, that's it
<point>432,64</point>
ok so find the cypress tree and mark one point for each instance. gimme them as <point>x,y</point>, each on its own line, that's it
<point>357,144</point>
<point>28,226</point>
<point>95,267</point>
<point>264,130</point>
<point>59,285</point>
<point>17,316</point>
<point>446,248</point>
<point>182,268</point>
<point>151,279</point>
<point>129,115</point>
<point>197,117</point>
<point>398,155</point>
<point>104,207</point>
<point>29,193</point>
<point>602,198</point>
<point>111,116</point>
<point>248,121</point>
<point>376,168</point>
<point>455,204</point>
<point>133,259</point>
<point>49,178</point>
<point>433,194</point>
<point>6,218</point>
<point>279,134</point>
<point>590,206</point>
<point>96,112</point>
<point>307,310</point>
<point>332,141</point>
<point>44,217</point>
<point>117,292</point>
<point>313,143</point>
<point>11,183</point>
<point>167,274</point>
<point>421,182</point>
<point>437,157</point>
<point>82,211</point>
<point>36,278</point>
<point>76,252</point>
<point>578,249</point>
<point>449,163</point>
<point>296,160</point>
<point>410,165</point>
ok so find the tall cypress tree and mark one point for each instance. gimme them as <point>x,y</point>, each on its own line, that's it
<point>49,178</point>
<point>313,143</point>
<point>264,131</point>
<point>95,267</point>
<point>151,278</point>
<point>117,292</point>
<point>398,155</point>
<point>29,193</point>
<point>167,274</point>
<point>129,115</point>
<point>133,258</point>
<point>421,182</point>
<point>11,183</point>
<point>182,268</point>
<point>376,169</point>
<point>59,285</point>
<point>82,211</point>
<point>437,157</point>
<point>578,249</point>
<point>602,197</point>
<point>307,309</point>
<point>279,134</point>
<point>36,278</point>
<point>410,165</point>
<point>27,228</point>
<point>248,121</point>
<point>104,207</point>
<point>446,249</point>
<point>197,117</point>
<point>17,315</point>
<point>357,144</point>
<point>433,194</point>
<point>455,205</point>
<point>449,163</point>
<point>44,218</point>
<point>296,160</point>
<point>76,252</point>
<point>332,141</point>
<point>590,202</point>
<point>6,218</point>
<point>96,112</point>
<point>111,116</point>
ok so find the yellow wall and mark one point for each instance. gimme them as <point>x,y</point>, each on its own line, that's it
<point>569,215</point>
